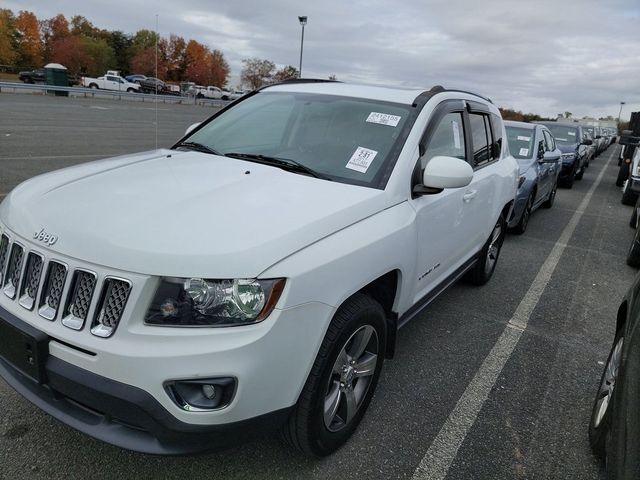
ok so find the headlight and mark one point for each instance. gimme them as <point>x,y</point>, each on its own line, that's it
<point>638,170</point>
<point>213,303</point>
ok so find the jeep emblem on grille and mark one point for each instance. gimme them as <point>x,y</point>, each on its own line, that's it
<point>45,237</point>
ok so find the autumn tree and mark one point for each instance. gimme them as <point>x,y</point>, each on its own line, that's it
<point>70,52</point>
<point>219,68</point>
<point>53,29</point>
<point>8,53</point>
<point>82,27</point>
<point>29,42</point>
<point>176,57</point>
<point>144,61</point>
<point>100,53</point>
<point>257,72</point>
<point>286,73</point>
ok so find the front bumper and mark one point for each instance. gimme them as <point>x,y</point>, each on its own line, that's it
<point>567,169</point>
<point>132,417</point>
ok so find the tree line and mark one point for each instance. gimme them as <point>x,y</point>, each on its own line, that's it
<point>27,42</point>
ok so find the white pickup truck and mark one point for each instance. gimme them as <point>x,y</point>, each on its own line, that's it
<point>254,275</point>
<point>214,93</point>
<point>110,81</point>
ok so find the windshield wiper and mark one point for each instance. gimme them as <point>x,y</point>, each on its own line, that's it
<point>283,163</point>
<point>199,147</point>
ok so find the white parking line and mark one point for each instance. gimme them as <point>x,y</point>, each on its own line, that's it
<point>436,462</point>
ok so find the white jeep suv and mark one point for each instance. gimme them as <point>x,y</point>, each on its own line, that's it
<point>254,275</point>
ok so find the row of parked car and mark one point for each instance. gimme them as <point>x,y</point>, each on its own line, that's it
<point>550,154</point>
<point>112,80</point>
<point>614,429</point>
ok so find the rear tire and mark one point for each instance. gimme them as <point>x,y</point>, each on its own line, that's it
<point>633,221</point>
<point>580,174</point>
<point>603,404</point>
<point>482,271</point>
<point>628,197</point>
<point>336,394</point>
<point>623,174</point>
<point>94,86</point>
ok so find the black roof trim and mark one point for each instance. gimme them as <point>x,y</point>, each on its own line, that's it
<point>303,80</point>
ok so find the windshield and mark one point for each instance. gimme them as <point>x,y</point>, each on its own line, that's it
<point>520,142</point>
<point>345,139</point>
<point>564,135</point>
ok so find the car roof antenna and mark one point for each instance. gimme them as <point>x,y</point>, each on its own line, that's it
<point>156,82</point>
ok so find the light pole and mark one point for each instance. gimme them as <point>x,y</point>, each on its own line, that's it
<point>620,113</point>
<point>303,22</point>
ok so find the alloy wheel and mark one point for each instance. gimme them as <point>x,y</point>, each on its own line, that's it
<point>350,378</point>
<point>608,383</point>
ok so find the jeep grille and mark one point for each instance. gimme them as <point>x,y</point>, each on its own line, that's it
<point>115,293</point>
<point>14,270</point>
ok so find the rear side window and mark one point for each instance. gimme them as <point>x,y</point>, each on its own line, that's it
<point>447,139</point>
<point>481,134</point>
<point>496,128</point>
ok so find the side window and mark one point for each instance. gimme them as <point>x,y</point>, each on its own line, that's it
<point>112,79</point>
<point>447,139</point>
<point>540,149</point>
<point>481,134</point>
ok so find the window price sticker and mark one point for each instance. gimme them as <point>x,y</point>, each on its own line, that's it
<point>456,135</point>
<point>573,134</point>
<point>524,139</point>
<point>384,119</point>
<point>361,159</point>
<point>524,152</point>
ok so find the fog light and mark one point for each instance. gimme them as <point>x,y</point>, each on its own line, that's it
<point>209,391</point>
<point>202,395</point>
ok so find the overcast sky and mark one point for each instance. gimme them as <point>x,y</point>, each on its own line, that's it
<point>538,56</point>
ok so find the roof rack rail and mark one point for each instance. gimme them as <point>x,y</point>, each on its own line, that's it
<point>424,96</point>
<point>307,80</point>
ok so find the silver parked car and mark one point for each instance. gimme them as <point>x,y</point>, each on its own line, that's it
<point>534,147</point>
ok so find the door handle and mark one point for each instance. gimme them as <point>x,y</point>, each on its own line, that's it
<point>469,195</point>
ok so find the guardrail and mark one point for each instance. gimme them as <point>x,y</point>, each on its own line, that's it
<point>94,92</point>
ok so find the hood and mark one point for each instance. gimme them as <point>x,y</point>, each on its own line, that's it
<point>569,148</point>
<point>184,213</point>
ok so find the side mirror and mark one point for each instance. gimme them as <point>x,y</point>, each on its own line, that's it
<point>587,141</point>
<point>191,128</point>
<point>551,157</point>
<point>447,172</point>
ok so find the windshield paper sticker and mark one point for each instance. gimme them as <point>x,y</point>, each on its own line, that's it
<point>524,152</point>
<point>361,159</point>
<point>573,134</point>
<point>384,119</point>
<point>456,135</point>
<point>524,139</point>
<point>561,139</point>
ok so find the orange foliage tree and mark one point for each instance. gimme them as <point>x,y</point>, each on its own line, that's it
<point>29,40</point>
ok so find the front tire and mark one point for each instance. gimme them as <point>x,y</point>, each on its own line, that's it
<point>521,227</point>
<point>482,271</point>
<point>633,255</point>
<point>548,203</point>
<point>603,404</point>
<point>342,380</point>
<point>628,197</point>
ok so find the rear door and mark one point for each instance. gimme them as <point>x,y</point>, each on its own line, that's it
<point>480,198</point>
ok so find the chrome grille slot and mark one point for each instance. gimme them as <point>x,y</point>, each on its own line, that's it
<point>14,270</point>
<point>52,291</point>
<point>79,299</point>
<point>31,281</point>
<point>113,299</point>
<point>4,251</point>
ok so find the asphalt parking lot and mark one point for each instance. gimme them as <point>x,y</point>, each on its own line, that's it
<point>533,424</point>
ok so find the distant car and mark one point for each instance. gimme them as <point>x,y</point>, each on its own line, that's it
<point>575,148</point>
<point>614,429</point>
<point>209,92</point>
<point>151,85</point>
<point>110,81</point>
<point>535,150</point>
<point>33,76</point>
<point>134,78</point>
